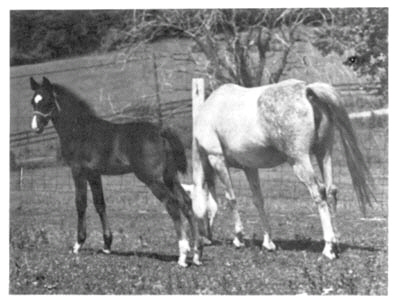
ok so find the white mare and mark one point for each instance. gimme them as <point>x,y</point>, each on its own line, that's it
<point>262,127</point>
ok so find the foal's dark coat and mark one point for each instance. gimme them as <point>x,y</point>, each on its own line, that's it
<point>93,147</point>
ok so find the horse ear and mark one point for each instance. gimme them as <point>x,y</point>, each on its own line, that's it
<point>46,83</point>
<point>33,84</point>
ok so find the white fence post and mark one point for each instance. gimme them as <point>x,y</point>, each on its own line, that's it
<point>198,97</point>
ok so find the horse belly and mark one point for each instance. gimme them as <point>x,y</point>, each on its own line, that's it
<point>255,157</point>
<point>113,161</point>
<point>118,163</point>
<point>112,166</point>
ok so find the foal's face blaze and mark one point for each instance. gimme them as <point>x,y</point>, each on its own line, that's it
<point>42,103</point>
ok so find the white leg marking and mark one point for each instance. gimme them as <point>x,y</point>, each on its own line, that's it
<point>106,251</point>
<point>188,188</point>
<point>328,233</point>
<point>238,222</point>
<point>328,250</point>
<point>237,242</point>
<point>184,248</point>
<point>76,248</point>
<point>196,259</point>
<point>268,243</point>
<point>34,123</point>
<point>212,208</point>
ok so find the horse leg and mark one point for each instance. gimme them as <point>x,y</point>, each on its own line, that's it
<point>219,165</point>
<point>186,208</point>
<point>97,194</point>
<point>201,170</point>
<point>212,208</point>
<point>254,183</point>
<point>161,191</point>
<point>304,171</point>
<point>80,184</point>
<point>325,166</point>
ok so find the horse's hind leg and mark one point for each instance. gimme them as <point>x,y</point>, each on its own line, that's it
<point>254,183</point>
<point>204,204</point>
<point>212,207</point>
<point>97,194</point>
<point>80,184</point>
<point>219,165</point>
<point>185,205</point>
<point>304,171</point>
<point>324,161</point>
<point>172,205</point>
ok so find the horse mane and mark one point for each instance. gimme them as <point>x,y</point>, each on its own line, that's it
<point>70,101</point>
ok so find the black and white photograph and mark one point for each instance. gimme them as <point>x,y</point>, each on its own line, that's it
<point>198,151</point>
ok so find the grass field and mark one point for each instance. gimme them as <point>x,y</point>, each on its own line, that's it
<point>144,258</point>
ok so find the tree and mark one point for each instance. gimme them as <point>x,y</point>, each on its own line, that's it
<point>236,42</point>
<point>43,35</point>
<point>363,33</point>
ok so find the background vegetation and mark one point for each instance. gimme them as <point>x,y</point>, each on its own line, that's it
<point>236,43</point>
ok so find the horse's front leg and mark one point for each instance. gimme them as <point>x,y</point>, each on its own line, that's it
<point>80,183</point>
<point>97,194</point>
<point>258,200</point>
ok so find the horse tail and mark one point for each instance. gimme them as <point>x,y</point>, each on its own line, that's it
<point>327,97</point>
<point>177,147</point>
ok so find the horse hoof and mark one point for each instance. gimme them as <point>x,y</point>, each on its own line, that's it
<point>206,241</point>
<point>237,243</point>
<point>76,248</point>
<point>196,260</point>
<point>183,264</point>
<point>270,246</point>
<point>330,250</point>
<point>330,256</point>
<point>106,251</point>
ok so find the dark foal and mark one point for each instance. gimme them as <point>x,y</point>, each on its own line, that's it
<point>93,147</point>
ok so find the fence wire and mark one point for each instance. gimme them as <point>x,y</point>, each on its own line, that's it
<point>277,183</point>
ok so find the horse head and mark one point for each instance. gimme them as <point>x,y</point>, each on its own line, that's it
<point>44,103</point>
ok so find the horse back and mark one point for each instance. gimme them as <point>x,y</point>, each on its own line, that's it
<point>271,119</point>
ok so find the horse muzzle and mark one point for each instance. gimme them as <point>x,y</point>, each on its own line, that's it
<point>38,124</point>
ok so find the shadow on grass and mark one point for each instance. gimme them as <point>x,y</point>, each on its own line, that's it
<point>303,244</point>
<point>309,245</point>
<point>147,254</point>
<point>154,255</point>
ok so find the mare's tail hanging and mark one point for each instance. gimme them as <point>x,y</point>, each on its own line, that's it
<point>325,95</point>
<point>177,147</point>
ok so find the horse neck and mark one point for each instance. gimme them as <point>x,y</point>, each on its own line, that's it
<point>70,124</point>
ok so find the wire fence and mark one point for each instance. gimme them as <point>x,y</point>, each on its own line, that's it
<point>38,168</point>
<point>279,182</point>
